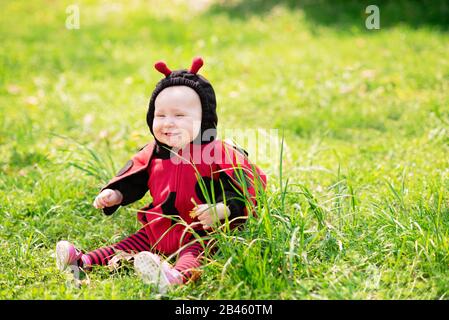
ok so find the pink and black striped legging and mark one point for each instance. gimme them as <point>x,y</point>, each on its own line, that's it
<point>189,258</point>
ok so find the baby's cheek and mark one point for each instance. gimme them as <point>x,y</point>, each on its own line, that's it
<point>156,126</point>
<point>157,131</point>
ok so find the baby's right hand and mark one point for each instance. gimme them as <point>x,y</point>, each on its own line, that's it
<point>108,198</point>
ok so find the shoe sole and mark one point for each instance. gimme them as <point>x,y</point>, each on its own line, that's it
<point>62,255</point>
<point>149,270</point>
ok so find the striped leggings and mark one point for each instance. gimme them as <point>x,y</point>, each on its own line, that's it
<point>189,257</point>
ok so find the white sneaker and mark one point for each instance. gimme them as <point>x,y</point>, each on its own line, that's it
<point>151,270</point>
<point>67,255</point>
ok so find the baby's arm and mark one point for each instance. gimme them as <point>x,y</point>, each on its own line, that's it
<point>234,208</point>
<point>127,190</point>
<point>231,197</point>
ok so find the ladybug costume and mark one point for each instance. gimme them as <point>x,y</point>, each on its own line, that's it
<point>206,171</point>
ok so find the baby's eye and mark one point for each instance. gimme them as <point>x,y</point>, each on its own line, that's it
<point>180,115</point>
<point>160,116</point>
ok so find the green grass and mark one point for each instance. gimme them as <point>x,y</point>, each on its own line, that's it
<point>360,208</point>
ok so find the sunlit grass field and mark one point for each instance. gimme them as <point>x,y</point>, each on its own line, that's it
<point>358,208</point>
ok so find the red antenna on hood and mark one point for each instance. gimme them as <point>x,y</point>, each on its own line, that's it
<point>162,68</point>
<point>197,63</point>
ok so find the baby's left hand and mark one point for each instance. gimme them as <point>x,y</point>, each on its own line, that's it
<point>210,215</point>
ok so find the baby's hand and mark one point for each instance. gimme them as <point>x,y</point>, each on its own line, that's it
<point>209,216</point>
<point>108,198</point>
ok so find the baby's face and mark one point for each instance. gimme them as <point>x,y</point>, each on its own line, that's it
<point>177,116</point>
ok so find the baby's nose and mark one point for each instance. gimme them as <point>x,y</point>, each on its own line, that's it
<point>169,122</point>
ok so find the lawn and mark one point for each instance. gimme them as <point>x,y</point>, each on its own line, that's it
<point>358,207</point>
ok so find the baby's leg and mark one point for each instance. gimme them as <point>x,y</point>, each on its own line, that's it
<point>189,259</point>
<point>135,243</point>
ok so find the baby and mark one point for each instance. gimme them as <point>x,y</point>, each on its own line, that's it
<point>196,181</point>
